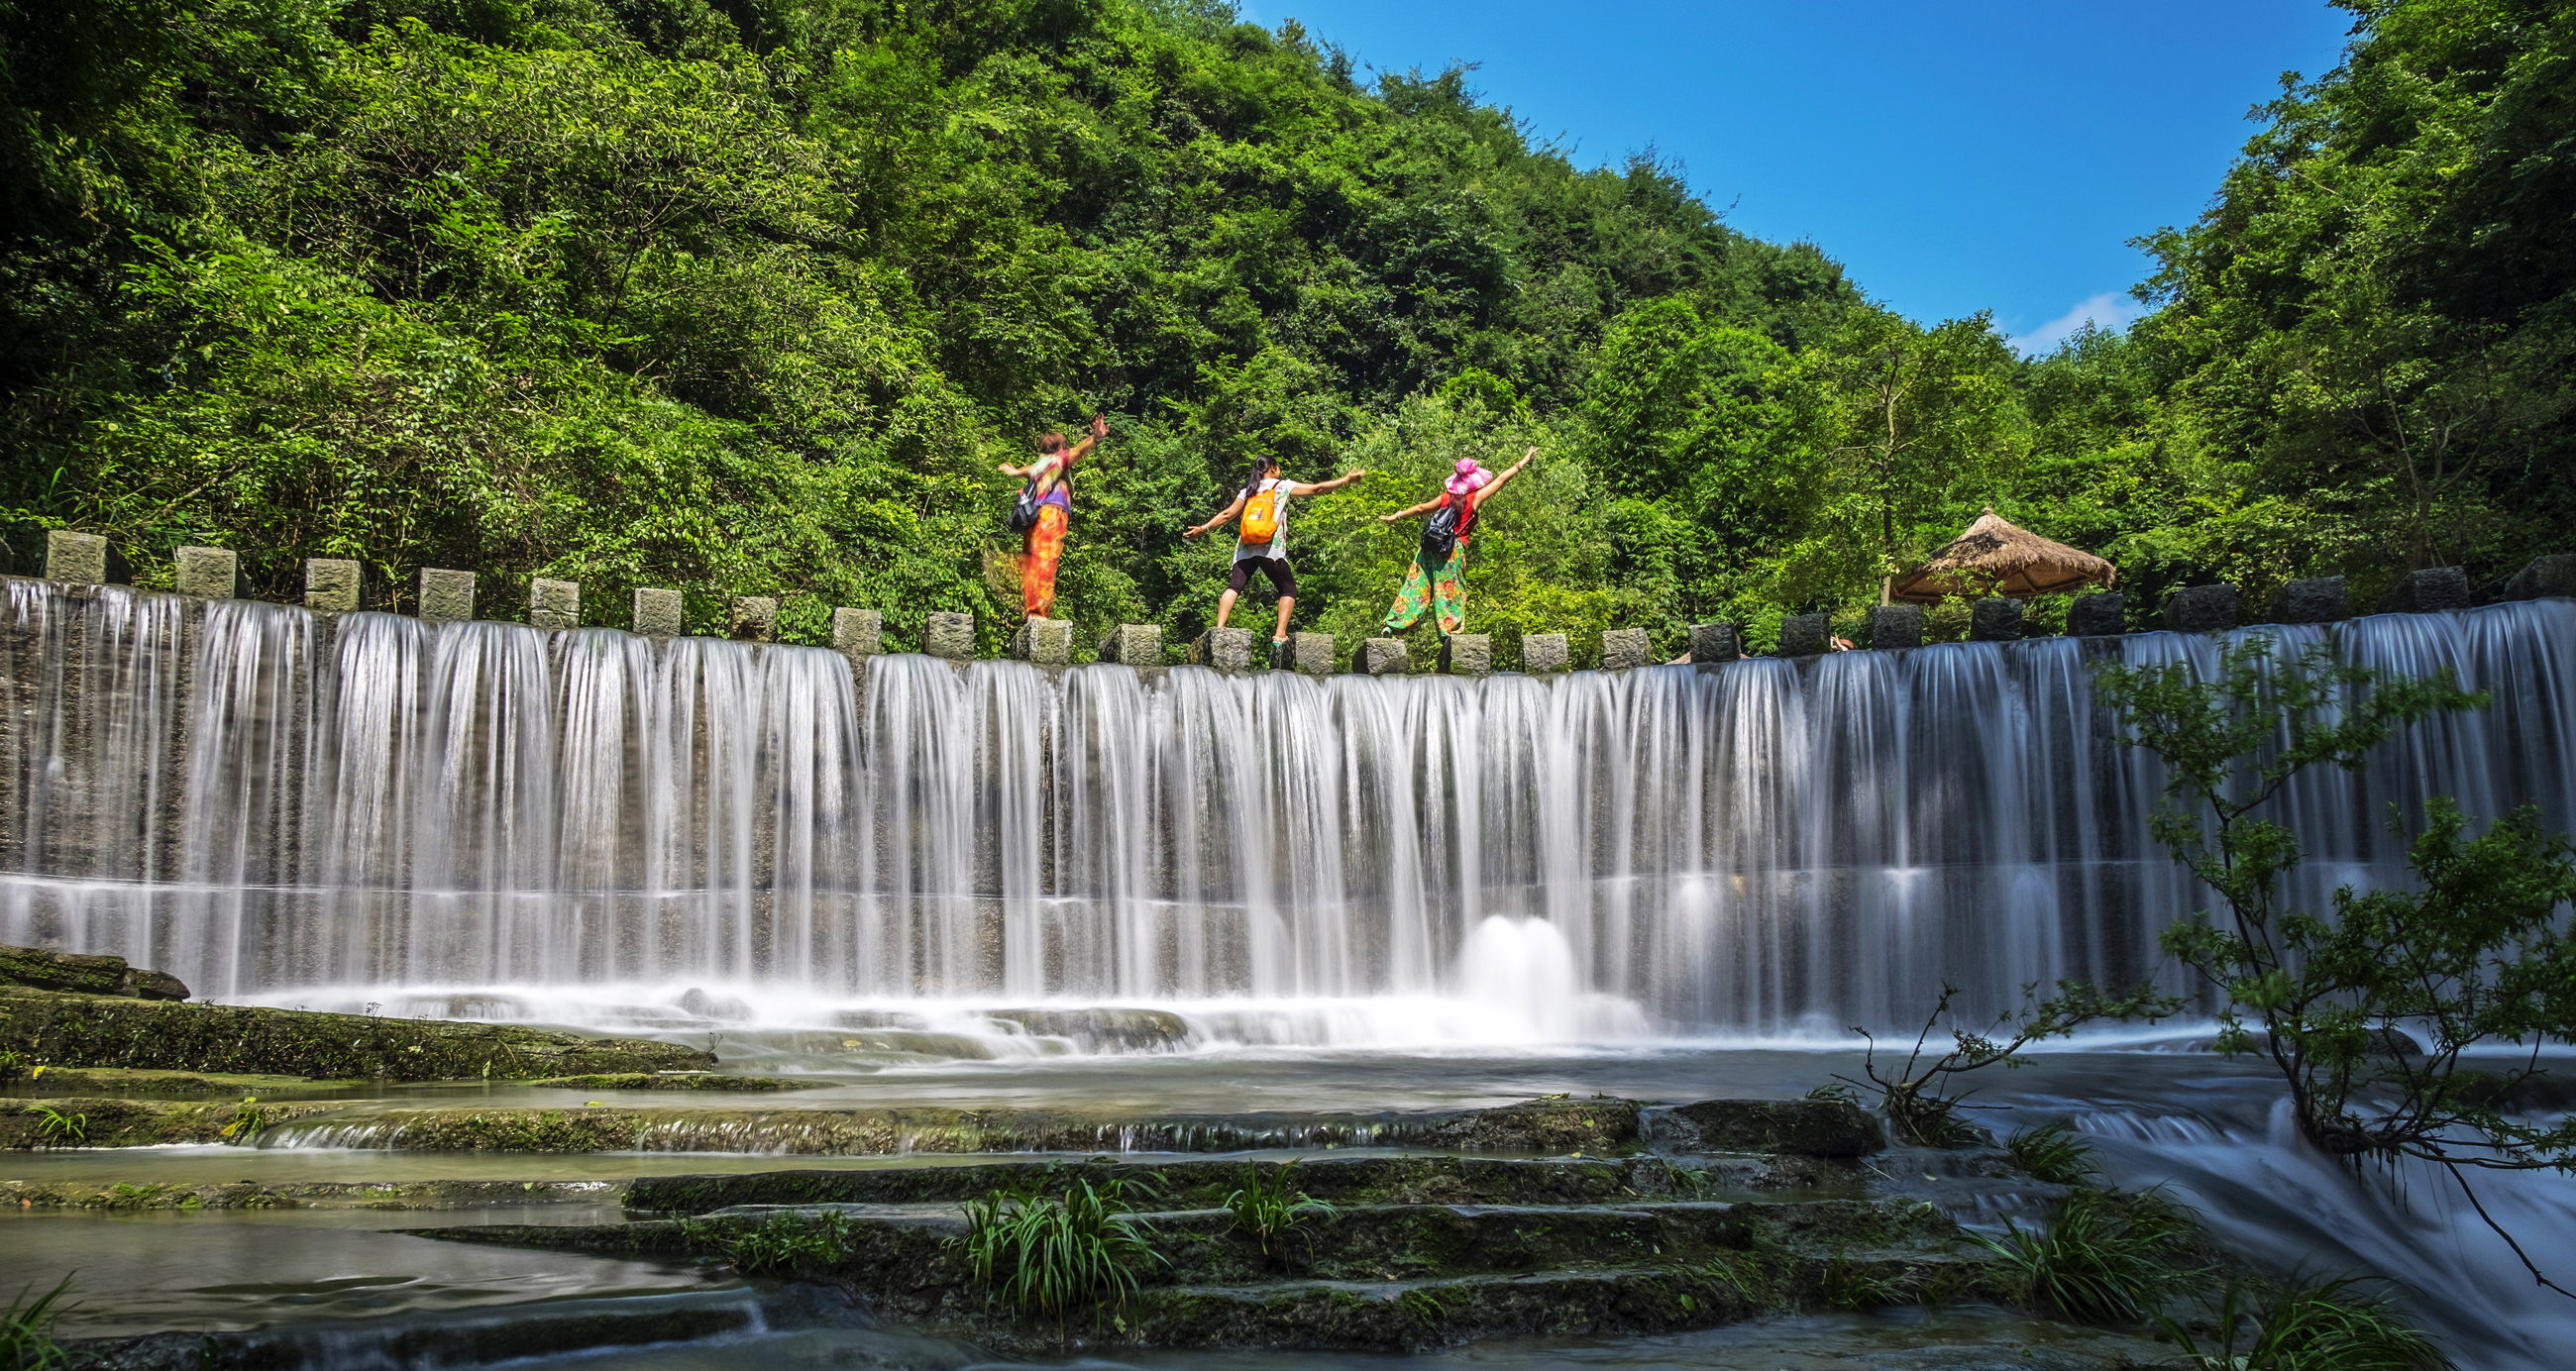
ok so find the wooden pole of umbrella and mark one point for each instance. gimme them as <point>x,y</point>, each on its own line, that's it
<point>1996,558</point>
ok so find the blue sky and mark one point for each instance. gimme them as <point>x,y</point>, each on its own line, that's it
<point>1954,157</point>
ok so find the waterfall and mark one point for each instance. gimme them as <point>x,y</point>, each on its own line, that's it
<point>265,802</point>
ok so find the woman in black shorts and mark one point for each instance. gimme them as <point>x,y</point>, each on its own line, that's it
<point>1262,505</point>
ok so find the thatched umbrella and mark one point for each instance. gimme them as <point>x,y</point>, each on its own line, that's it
<point>1995,558</point>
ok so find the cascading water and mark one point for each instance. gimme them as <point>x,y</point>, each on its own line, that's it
<point>277,806</point>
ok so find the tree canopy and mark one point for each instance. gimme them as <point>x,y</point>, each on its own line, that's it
<point>748,296</point>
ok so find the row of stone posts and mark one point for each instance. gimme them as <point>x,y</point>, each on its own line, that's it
<point>331,587</point>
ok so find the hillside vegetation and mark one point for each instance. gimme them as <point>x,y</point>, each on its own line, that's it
<point>750,297</point>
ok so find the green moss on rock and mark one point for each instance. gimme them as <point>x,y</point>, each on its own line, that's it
<point>71,1030</point>
<point>677,1080</point>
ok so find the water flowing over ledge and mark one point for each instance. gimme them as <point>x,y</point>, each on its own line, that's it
<point>274,804</point>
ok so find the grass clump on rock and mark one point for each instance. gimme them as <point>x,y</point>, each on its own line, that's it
<point>2105,1258</point>
<point>792,1245</point>
<point>2309,1325</point>
<point>1270,1213</point>
<point>1050,1251</point>
<point>27,1330</point>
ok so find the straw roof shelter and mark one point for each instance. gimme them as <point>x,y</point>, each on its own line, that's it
<point>1995,558</point>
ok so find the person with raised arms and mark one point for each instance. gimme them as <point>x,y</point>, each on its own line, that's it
<point>1261,541</point>
<point>1434,579</point>
<point>1043,511</point>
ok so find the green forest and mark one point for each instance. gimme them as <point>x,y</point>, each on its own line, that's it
<point>750,297</point>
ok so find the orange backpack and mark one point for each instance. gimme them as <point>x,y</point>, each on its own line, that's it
<point>1261,516</point>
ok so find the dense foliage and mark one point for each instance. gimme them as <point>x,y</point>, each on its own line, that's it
<point>750,296</point>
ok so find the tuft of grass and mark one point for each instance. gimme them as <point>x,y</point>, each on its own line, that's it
<point>27,1330</point>
<point>1834,1090</point>
<point>1848,1286</point>
<point>2310,1325</point>
<point>1053,1251</point>
<point>1270,1213</point>
<point>248,1119</point>
<point>2107,1258</point>
<point>792,1244</point>
<point>58,1129</point>
<point>2052,1153</point>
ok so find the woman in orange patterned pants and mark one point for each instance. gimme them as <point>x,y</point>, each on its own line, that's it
<point>1049,480</point>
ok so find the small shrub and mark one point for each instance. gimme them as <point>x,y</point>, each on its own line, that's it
<point>27,1330</point>
<point>57,1129</point>
<point>2052,1153</point>
<point>2108,1258</point>
<point>248,1119</point>
<point>2302,1325</point>
<point>1049,1251</point>
<point>1269,1213</point>
<point>792,1244</point>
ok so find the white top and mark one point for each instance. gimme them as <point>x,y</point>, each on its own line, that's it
<point>1278,544</point>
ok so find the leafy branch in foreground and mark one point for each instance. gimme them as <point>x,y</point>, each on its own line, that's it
<point>2477,953</point>
<point>1053,1250</point>
<point>1920,1097</point>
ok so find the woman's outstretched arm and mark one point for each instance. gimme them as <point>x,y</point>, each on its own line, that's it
<point>1490,491</point>
<point>1424,508</point>
<point>1219,517</point>
<point>1319,487</point>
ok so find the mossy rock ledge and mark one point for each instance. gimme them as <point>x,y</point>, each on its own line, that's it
<point>87,974</point>
<point>64,1029</point>
<point>1835,1129</point>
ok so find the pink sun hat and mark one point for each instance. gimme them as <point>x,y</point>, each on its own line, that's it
<point>1470,476</point>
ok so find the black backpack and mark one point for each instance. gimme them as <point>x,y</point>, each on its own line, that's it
<point>1440,533</point>
<point>1024,510</point>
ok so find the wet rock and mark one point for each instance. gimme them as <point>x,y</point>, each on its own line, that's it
<point>1312,653</point>
<point>80,558</point>
<point>1543,653</point>
<point>446,596</point>
<point>554,605</point>
<point>1895,626</point>
<point>1625,649</point>
<point>706,1006</point>
<point>858,633</point>
<point>330,585</point>
<point>71,1030</point>
<point>657,612</point>
<point>1808,1128</point>
<point>674,1080</point>
<point>2317,600</point>
<point>1223,649</point>
<point>1995,619</point>
<point>81,1121</point>
<point>1382,657</point>
<point>403,1195</point>
<point>752,618</point>
<point>213,573</point>
<point>1044,642</point>
<point>1805,635</point>
<point>1136,645</point>
<point>1126,1030</point>
<point>2202,609</point>
<point>2101,615</point>
<point>950,635</point>
<point>2551,575</point>
<point>86,974</point>
<point>1467,654</point>
<point>1713,644</point>
<point>1591,1127</point>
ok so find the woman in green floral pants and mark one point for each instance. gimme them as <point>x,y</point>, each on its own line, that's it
<point>1435,581</point>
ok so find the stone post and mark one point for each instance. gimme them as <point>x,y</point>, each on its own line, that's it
<point>330,585</point>
<point>1044,642</point>
<point>1544,654</point>
<point>1467,654</point>
<point>1805,635</point>
<point>78,558</point>
<point>2429,591</point>
<point>1136,645</point>
<point>1895,627</point>
<point>2097,616</point>
<point>657,612</point>
<point>1382,657</point>
<point>1312,654</point>
<point>1995,619</point>
<point>1226,649</point>
<point>2551,575</point>
<point>2202,609</point>
<point>554,605</point>
<point>211,573</point>
<point>446,597</point>
<point>2317,601</point>
<point>950,635</point>
<point>1625,649</point>
<point>858,633</point>
<point>1711,644</point>
<point>752,618</point>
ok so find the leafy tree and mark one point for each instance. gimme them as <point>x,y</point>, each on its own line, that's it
<point>2476,954</point>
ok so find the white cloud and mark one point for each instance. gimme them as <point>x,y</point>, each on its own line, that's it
<point>2104,311</point>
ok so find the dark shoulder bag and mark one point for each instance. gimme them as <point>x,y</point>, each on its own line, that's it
<point>1440,532</point>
